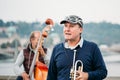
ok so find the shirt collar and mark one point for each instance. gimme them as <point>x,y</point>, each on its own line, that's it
<point>31,49</point>
<point>80,43</point>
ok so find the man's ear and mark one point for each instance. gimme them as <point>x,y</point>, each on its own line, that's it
<point>31,40</point>
<point>81,30</point>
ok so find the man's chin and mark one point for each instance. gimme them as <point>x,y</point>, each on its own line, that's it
<point>36,46</point>
<point>67,39</point>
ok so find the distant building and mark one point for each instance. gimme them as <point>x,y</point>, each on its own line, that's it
<point>3,29</point>
<point>11,31</point>
<point>7,31</point>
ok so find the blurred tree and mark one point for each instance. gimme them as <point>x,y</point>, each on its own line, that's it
<point>15,43</point>
<point>1,23</point>
<point>3,45</point>
<point>10,23</point>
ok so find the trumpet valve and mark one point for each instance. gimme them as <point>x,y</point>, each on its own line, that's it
<point>79,68</point>
<point>71,73</point>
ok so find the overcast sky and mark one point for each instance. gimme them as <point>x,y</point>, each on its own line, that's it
<point>39,10</point>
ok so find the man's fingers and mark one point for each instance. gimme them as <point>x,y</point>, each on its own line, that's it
<point>79,75</point>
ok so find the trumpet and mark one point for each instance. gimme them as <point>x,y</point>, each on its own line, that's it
<point>74,67</point>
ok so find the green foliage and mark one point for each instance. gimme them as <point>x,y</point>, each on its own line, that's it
<point>4,45</point>
<point>15,43</point>
<point>101,33</point>
<point>3,35</point>
<point>1,23</point>
<point>7,24</point>
<point>10,23</point>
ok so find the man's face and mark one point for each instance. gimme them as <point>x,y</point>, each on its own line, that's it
<point>72,31</point>
<point>34,41</point>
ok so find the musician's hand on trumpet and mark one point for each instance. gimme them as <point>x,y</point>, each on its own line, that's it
<point>81,75</point>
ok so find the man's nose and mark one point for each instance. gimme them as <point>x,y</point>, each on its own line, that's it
<point>67,28</point>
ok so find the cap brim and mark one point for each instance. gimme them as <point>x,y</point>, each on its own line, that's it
<point>64,21</point>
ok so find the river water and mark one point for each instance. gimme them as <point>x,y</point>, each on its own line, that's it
<point>112,60</point>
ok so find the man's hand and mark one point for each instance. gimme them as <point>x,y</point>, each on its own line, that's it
<point>25,76</point>
<point>41,51</point>
<point>81,75</point>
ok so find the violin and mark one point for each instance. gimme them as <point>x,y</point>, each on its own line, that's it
<point>41,70</point>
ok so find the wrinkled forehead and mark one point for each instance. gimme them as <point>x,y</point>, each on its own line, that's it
<point>35,34</point>
<point>72,24</point>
